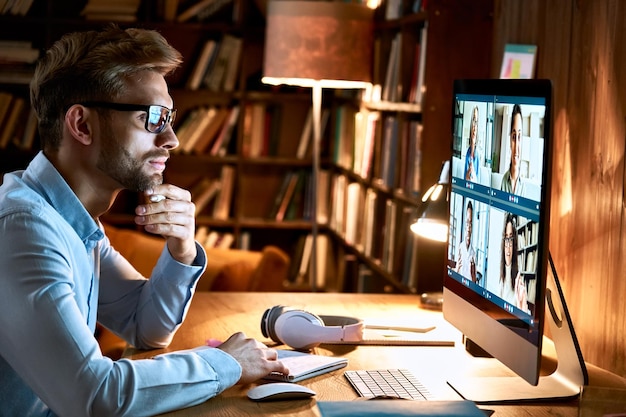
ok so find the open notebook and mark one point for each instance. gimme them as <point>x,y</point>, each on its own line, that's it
<point>305,365</point>
<point>400,332</point>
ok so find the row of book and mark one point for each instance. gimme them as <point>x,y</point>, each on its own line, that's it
<point>192,10</point>
<point>17,61</point>
<point>15,7</point>
<point>213,238</point>
<point>375,225</point>
<point>213,196</point>
<point>208,130</point>
<point>384,148</point>
<point>326,276</point>
<point>395,9</point>
<point>394,87</point>
<point>111,10</point>
<point>217,65</point>
<point>18,121</point>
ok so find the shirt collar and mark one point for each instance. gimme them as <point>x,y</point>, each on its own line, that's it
<point>55,190</point>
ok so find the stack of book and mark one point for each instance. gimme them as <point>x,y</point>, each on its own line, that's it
<point>15,7</point>
<point>19,123</point>
<point>111,10</point>
<point>217,65</point>
<point>17,61</point>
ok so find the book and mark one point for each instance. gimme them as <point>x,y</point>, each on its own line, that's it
<point>288,194</point>
<point>205,117</point>
<point>202,65</point>
<point>389,235</point>
<point>389,151</point>
<point>208,134</point>
<point>170,7</point>
<point>204,192</point>
<point>353,213</point>
<point>30,130</point>
<point>201,10</point>
<point>257,129</point>
<point>303,365</point>
<point>191,11</point>
<point>214,79</point>
<point>420,88</point>
<point>232,67</point>
<point>305,260</point>
<point>296,256</point>
<point>390,87</point>
<point>305,136</point>
<point>225,241</point>
<point>295,209</point>
<point>221,209</point>
<point>11,120</point>
<point>220,146</point>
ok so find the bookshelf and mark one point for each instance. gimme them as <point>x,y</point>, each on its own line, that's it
<point>353,257</point>
<point>377,187</point>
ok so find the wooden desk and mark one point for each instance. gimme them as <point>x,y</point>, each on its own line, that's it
<point>218,315</point>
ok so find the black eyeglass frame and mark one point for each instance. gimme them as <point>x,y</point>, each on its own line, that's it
<point>171,113</point>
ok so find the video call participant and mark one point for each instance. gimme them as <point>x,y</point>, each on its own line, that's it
<point>512,286</point>
<point>466,259</point>
<point>472,161</point>
<point>511,180</point>
<point>105,118</point>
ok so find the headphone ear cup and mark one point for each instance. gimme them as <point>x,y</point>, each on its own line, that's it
<point>299,329</point>
<point>268,322</point>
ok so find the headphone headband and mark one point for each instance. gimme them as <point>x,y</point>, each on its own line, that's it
<point>303,330</point>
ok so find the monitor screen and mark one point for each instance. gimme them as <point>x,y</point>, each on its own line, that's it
<point>499,207</point>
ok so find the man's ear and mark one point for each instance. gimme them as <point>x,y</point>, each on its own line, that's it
<point>79,123</point>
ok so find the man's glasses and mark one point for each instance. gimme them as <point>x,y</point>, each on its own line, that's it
<point>158,117</point>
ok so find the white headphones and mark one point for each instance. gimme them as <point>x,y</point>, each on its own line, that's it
<point>303,330</point>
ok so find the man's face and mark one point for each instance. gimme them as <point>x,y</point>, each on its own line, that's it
<point>129,154</point>
<point>516,140</point>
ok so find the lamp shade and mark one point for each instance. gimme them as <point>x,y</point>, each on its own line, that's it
<point>433,222</point>
<point>313,41</point>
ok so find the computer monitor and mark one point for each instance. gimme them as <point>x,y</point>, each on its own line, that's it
<point>496,281</point>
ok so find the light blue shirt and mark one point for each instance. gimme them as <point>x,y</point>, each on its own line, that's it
<point>50,299</point>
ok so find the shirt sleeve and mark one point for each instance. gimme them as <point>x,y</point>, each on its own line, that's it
<point>146,312</point>
<point>47,342</point>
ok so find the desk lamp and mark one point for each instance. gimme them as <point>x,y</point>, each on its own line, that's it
<point>318,44</point>
<point>433,224</point>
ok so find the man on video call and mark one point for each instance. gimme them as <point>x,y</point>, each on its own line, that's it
<point>466,259</point>
<point>105,116</point>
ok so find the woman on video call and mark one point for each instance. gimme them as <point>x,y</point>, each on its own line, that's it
<point>512,286</point>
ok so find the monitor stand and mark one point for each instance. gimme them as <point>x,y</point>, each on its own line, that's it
<point>565,382</point>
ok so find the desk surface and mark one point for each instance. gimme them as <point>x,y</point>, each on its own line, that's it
<point>218,315</point>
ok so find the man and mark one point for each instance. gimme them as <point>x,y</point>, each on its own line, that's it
<point>466,259</point>
<point>472,162</point>
<point>105,125</point>
<point>511,180</point>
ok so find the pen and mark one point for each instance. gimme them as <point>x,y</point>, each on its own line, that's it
<point>155,198</point>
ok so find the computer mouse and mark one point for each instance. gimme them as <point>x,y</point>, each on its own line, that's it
<point>279,391</point>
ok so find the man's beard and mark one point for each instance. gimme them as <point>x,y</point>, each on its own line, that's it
<point>115,161</point>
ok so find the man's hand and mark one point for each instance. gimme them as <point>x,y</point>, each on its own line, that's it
<point>172,217</point>
<point>256,359</point>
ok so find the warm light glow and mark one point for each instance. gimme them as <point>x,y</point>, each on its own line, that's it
<point>431,229</point>
<point>308,82</point>
<point>307,42</point>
